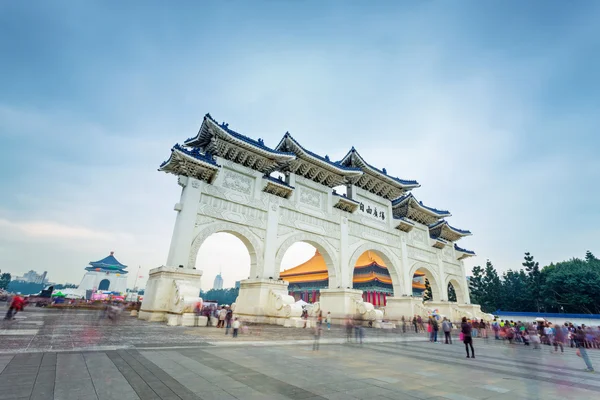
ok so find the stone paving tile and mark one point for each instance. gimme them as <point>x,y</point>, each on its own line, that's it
<point>44,383</point>
<point>141,388</point>
<point>73,380</point>
<point>109,383</point>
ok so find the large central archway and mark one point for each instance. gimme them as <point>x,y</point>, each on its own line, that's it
<point>326,251</point>
<point>392,265</point>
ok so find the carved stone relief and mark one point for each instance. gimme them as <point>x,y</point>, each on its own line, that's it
<point>418,236</point>
<point>238,182</point>
<point>310,197</point>
<point>370,233</point>
<point>237,197</point>
<point>226,210</point>
<point>308,223</point>
<point>420,254</point>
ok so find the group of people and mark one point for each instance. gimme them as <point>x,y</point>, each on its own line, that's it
<point>536,333</point>
<point>222,314</point>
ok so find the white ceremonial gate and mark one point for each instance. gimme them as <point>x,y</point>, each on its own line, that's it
<point>230,184</point>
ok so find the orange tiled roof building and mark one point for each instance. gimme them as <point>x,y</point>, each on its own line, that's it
<point>370,275</point>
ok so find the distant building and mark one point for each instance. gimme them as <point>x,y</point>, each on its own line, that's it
<point>237,284</point>
<point>32,277</point>
<point>218,284</point>
<point>107,274</point>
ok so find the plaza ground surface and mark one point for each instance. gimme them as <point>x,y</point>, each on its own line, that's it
<point>69,354</point>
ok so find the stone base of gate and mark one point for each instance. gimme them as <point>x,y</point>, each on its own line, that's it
<point>407,307</point>
<point>472,311</point>
<point>170,293</point>
<point>341,303</point>
<point>444,308</point>
<point>265,301</point>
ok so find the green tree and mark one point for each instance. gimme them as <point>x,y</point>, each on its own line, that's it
<point>572,286</point>
<point>514,287</point>
<point>221,296</point>
<point>493,287</point>
<point>534,275</point>
<point>4,280</point>
<point>427,294</point>
<point>476,288</point>
<point>451,293</point>
<point>590,258</point>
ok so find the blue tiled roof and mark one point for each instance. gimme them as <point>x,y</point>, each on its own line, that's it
<point>315,155</point>
<point>461,231</point>
<point>410,195</point>
<point>195,153</point>
<point>257,143</point>
<point>463,250</point>
<point>380,171</point>
<point>106,269</point>
<point>277,180</point>
<point>109,261</point>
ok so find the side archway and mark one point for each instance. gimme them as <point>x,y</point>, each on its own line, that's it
<point>458,289</point>
<point>432,277</point>
<point>244,234</point>
<point>388,258</point>
<point>326,250</point>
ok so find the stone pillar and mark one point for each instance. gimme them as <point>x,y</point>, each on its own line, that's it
<point>183,233</point>
<point>465,286</point>
<point>270,270</point>
<point>407,279</point>
<point>340,302</point>
<point>397,307</point>
<point>263,301</point>
<point>345,278</point>
<point>442,287</point>
<point>170,292</point>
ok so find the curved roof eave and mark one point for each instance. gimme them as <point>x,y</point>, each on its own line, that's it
<point>202,158</point>
<point>404,184</point>
<point>240,139</point>
<point>430,210</point>
<point>342,170</point>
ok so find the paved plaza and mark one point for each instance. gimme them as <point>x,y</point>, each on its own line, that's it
<point>49,354</point>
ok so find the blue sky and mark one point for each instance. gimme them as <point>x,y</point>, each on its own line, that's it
<point>492,107</point>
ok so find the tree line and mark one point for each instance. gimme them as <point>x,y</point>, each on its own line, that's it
<point>221,296</point>
<point>571,286</point>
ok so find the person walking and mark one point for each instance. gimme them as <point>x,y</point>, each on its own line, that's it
<point>559,338</point>
<point>16,305</point>
<point>328,320</point>
<point>581,350</point>
<point>436,327</point>
<point>414,322</point>
<point>222,315</point>
<point>403,324</point>
<point>447,328</point>
<point>197,312</point>
<point>236,327</point>
<point>349,328</point>
<point>465,329</point>
<point>317,333</point>
<point>496,329</point>
<point>228,318</point>
<point>420,322</point>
